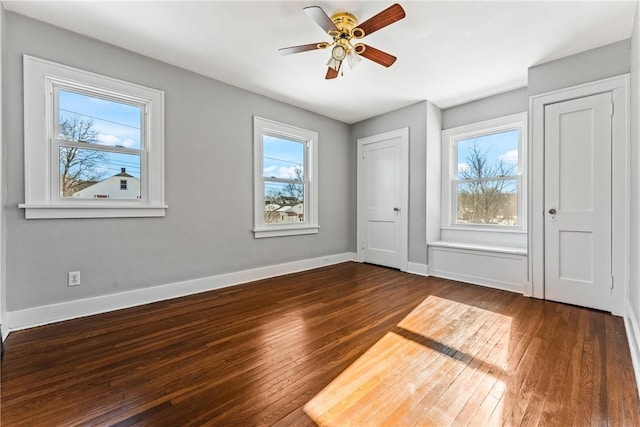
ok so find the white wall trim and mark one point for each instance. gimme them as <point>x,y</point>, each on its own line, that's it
<point>449,168</point>
<point>3,229</point>
<point>479,247</point>
<point>498,270</point>
<point>417,268</point>
<point>480,281</point>
<point>403,134</point>
<point>42,315</point>
<point>633,337</point>
<point>619,88</point>
<point>309,140</point>
<point>42,197</point>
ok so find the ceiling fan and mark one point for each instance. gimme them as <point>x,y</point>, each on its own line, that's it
<point>343,27</point>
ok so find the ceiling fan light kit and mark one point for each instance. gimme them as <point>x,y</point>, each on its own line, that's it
<point>343,27</point>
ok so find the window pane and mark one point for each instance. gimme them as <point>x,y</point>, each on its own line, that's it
<point>282,158</point>
<point>86,118</point>
<point>87,173</point>
<point>488,202</point>
<point>488,156</point>
<point>283,202</point>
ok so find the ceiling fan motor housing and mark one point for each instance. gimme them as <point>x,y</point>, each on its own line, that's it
<point>344,21</point>
<point>347,26</point>
<point>342,27</point>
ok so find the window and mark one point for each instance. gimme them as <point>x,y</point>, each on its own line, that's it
<point>96,146</point>
<point>483,182</point>
<point>285,184</point>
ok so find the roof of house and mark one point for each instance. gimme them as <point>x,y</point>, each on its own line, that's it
<point>124,174</point>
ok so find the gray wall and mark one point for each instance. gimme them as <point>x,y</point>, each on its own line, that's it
<point>415,118</point>
<point>503,104</point>
<point>209,184</point>
<point>634,238</point>
<point>595,64</point>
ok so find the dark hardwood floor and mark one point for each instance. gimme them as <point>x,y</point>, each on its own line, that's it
<point>349,344</point>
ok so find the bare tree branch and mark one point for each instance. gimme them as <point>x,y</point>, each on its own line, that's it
<point>289,194</point>
<point>78,165</point>
<point>483,197</point>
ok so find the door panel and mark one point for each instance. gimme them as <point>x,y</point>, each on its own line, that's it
<point>578,201</point>
<point>380,198</point>
<point>381,213</point>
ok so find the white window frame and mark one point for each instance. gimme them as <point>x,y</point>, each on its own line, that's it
<point>262,126</point>
<point>450,138</point>
<point>42,199</point>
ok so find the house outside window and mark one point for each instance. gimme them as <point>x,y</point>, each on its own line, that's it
<point>96,146</point>
<point>484,180</point>
<point>285,182</point>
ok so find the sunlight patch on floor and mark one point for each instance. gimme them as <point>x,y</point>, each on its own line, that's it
<point>441,365</point>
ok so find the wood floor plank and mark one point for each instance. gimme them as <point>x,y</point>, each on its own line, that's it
<point>349,344</point>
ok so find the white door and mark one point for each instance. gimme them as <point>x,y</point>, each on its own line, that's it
<point>577,201</point>
<point>383,199</point>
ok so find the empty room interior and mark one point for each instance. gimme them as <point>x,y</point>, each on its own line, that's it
<point>292,213</point>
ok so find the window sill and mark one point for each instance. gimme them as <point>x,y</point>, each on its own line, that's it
<point>479,247</point>
<point>486,229</point>
<point>278,231</point>
<point>90,211</point>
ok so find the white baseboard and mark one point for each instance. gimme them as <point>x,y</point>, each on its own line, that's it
<point>417,268</point>
<point>4,331</point>
<point>633,337</point>
<point>37,316</point>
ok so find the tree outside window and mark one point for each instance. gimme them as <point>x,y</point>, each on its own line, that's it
<point>283,174</point>
<point>487,178</point>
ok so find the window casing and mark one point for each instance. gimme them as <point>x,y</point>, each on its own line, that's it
<point>484,175</point>
<point>285,180</point>
<point>92,132</point>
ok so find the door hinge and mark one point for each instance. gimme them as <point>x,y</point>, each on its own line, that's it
<point>362,246</point>
<point>613,107</point>
<point>612,280</point>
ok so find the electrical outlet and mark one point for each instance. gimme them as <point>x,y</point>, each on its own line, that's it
<point>74,278</point>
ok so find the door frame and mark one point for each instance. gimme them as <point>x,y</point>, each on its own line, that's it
<point>620,196</point>
<point>403,134</point>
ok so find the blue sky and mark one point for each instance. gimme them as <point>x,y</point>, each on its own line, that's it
<point>281,156</point>
<point>117,124</point>
<point>503,145</point>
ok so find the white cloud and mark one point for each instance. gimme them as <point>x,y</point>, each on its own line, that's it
<point>98,101</point>
<point>287,172</point>
<point>267,171</point>
<point>101,170</point>
<point>510,157</point>
<point>111,140</point>
<point>280,172</point>
<point>463,167</point>
<point>128,143</point>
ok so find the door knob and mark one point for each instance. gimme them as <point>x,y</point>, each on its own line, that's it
<point>552,211</point>
<point>396,209</point>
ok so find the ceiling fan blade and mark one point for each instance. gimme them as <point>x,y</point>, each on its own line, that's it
<point>321,18</point>
<point>376,55</point>
<point>333,73</point>
<point>387,17</point>
<point>301,48</point>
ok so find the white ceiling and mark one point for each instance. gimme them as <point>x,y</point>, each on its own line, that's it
<point>449,52</point>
